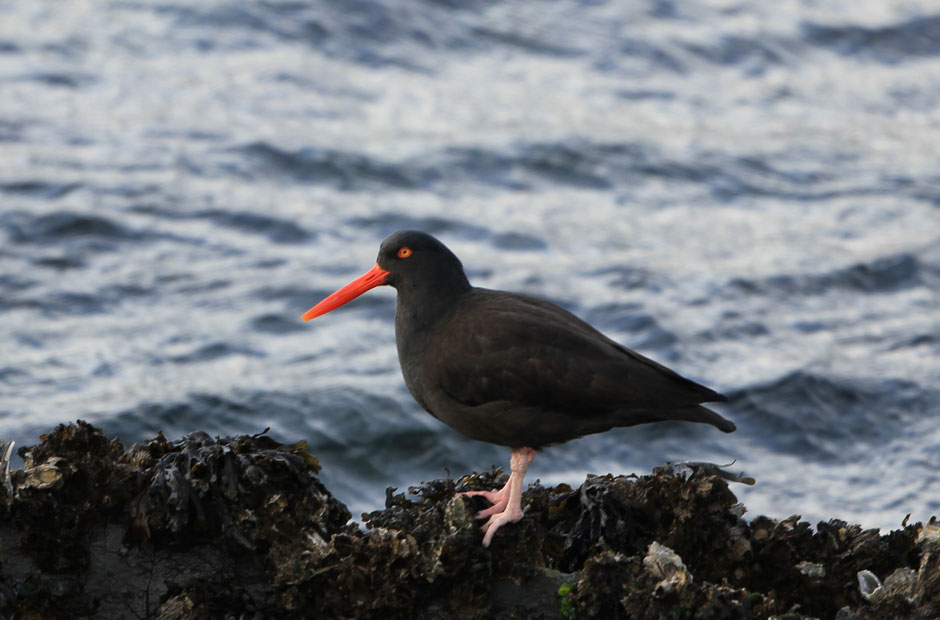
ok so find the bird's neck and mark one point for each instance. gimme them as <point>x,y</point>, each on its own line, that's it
<point>421,307</point>
<point>418,317</point>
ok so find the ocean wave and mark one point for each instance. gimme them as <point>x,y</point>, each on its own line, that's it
<point>892,43</point>
<point>343,170</point>
<point>832,418</point>
<point>60,226</point>
<point>883,274</point>
<point>50,190</point>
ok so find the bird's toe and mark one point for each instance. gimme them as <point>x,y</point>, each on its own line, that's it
<point>496,521</point>
<point>492,497</point>
<point>498,507</point>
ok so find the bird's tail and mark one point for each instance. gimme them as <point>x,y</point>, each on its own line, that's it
<point>703,415</point>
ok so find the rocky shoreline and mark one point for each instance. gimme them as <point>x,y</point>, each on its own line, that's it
<point>242,528</point>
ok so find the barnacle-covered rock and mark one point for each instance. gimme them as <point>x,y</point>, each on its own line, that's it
<point>93,529</point>
<point>241,527</point>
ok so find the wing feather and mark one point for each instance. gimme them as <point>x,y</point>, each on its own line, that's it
<point>513,348</point>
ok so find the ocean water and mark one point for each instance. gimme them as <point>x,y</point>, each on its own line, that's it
<point>748,192</point>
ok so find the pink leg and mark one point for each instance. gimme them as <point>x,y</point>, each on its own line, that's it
<point>507,502</point>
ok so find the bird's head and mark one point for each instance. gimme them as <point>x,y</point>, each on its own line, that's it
<point>409,260</point>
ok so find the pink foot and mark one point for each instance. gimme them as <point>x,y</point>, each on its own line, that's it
<point>510,515</point>
<point>507,502</point>
<point>499,499</point>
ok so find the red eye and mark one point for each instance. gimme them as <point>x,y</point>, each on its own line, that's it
<point>404,252</point>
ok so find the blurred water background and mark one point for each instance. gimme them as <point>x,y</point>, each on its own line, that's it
<point>746,191</point>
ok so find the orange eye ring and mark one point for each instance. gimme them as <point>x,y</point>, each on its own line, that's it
<point>404,252</point>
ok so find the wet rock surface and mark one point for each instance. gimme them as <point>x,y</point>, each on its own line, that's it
<point>241,527</point>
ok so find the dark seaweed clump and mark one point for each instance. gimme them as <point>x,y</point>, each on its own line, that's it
<point>241,527</point>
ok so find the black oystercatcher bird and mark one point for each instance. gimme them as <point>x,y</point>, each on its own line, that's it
<point>512,369</point>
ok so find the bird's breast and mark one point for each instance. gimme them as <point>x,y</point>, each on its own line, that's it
<point>412,357</point>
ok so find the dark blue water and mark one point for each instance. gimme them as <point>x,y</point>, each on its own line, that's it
<point>746,191</point>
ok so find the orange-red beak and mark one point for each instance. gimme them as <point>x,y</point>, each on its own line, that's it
<point>370,279</point>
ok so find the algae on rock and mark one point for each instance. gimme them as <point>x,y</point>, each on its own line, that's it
<point>242,527</point>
